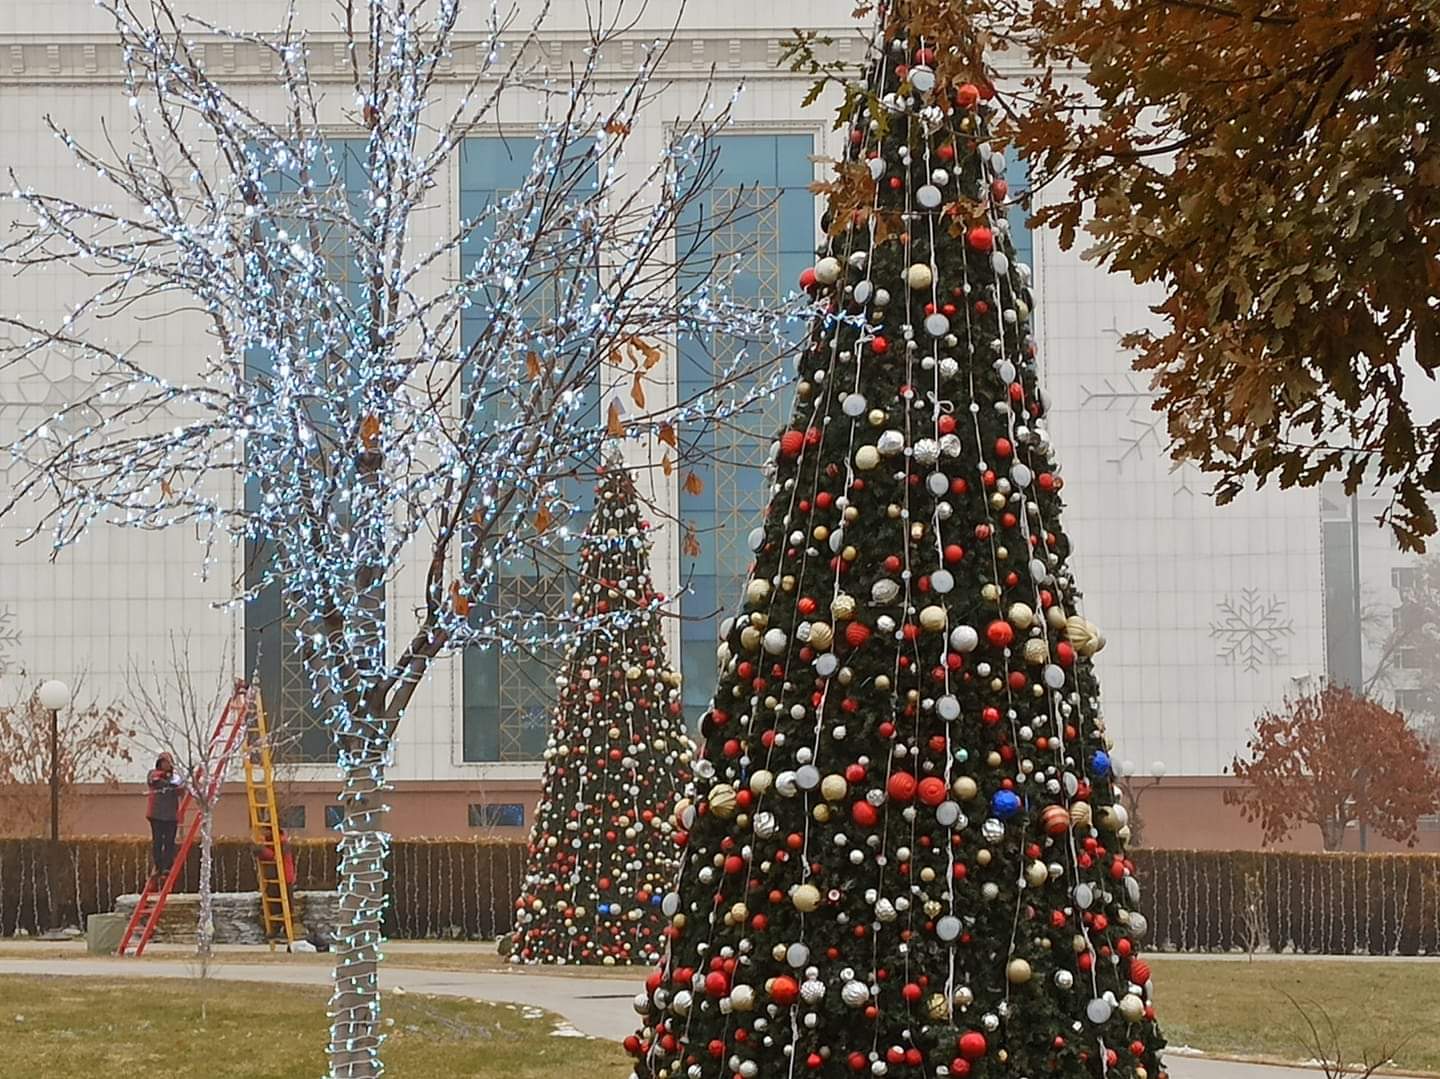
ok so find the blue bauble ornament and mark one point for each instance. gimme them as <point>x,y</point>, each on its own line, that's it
<point>1100,763</point>
<point>1005,804</point>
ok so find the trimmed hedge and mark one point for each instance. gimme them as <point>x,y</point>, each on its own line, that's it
<point>1332,904</point>
<point>439,887</point>
<point>1338,904</point>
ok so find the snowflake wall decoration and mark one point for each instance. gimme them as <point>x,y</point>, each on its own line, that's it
<point>1252,629</point>
<point>9,639</point>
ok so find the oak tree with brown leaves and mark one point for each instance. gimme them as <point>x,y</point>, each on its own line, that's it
<point>1331,759</point>
<point>93,748</point>
<point>1271,165</point>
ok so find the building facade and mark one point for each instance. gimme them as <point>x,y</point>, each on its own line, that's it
<point>1212,614</point>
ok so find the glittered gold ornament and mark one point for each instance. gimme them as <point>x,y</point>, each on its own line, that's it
<point>1084,635</point>
<point>1036,651</point>
<point>842,607</point>
<point>722,800</point>
<point>990,593</point>
<point>936,1006</point>
<point>833,787</point>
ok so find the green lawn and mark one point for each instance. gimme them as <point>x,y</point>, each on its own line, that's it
<point>81,1028</point>
<point>1240,1008</point>
<point>86,1028</point>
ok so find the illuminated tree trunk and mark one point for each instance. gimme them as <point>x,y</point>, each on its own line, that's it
<point>364,849</point>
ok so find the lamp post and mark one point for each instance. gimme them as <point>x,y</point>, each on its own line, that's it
<point>54,695</point>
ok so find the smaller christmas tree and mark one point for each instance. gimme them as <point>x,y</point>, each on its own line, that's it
<point>603,851</point>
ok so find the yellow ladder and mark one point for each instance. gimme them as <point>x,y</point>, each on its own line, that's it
<point>265,825</point>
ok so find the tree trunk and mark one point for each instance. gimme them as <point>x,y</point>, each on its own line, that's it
<point>1332,833</point>
<point>354,1049</point>
<point>205,931</point>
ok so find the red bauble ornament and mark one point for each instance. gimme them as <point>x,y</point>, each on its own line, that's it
<point>857,633</point>
<point>784,990</point>
<point>716,984</point>
<point>932,790</point>
<point>792,442</point>
<point>901,786</point>
<point>1139,971</point>
<point>879,345</point>
<point>999,633</point>
<point>981,239</point>
<point>863,814</point>
<point>966,95</point>
<point>807,279</point>
<point>972,1045</point>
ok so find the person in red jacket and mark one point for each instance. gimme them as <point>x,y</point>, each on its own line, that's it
<point>162,810</point>
<point>287,859</point>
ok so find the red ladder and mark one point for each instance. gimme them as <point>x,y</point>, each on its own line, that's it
<point>227,736</point>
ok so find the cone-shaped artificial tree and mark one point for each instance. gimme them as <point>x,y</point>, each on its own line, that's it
<point>618,758</point>
<point>906,856</point>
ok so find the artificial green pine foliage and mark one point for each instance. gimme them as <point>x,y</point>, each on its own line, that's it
<point>907,853</point>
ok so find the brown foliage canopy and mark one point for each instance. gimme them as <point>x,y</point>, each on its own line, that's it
<point>1273,166</point>
<point>1333,757</point>
<point>94,744</point>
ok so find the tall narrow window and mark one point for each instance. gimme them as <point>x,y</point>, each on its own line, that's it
<point>506,696</point>
<point>272,629</point>
<point>762,194</point>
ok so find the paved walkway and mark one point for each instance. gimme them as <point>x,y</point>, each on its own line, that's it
<point>600,1007</point>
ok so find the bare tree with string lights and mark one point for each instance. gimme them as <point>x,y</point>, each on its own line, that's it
<point>338,387</point>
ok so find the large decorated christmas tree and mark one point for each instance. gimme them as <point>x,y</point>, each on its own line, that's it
<point>907,853</point>
<point>617,761</point>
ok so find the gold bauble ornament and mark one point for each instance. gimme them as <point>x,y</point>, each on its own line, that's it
<point>965,788</point>
<point>933,618</point>
<point>1036,651</point>
<point>757,591</point>
<point>833,787</point>
<point>842,607</point>
<point>1021,616</point>
<point>990,593</point>
<point>1111,818</point>
<point>806,898</point>
<point>750,639</point>
<point>820,533</point>
<point>1018,972</point>
<point>919,276</point>
<point>761,780</point>
<point>983,856</point>
<point>1132,1008</point>
<point>1036,874</point>
<point>876,418</point>
<point>937,1007</point>
<point>821,636</point>
<point>722,800</point>
<point>882,682</point>
<point>850,554</point>
<point>1055,617</point>
<point>821,812</point>
<point>1080,815</point>
<point>866,458</point>
<point>1084,635</point>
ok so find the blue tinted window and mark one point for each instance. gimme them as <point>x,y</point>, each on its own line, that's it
<point>762,183</point>
<point>506,697</point>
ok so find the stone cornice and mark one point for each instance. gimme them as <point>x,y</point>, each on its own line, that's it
<point>81,59</point>
<point>33,59</point>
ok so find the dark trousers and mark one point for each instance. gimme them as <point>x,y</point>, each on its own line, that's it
<point>162,844</point>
